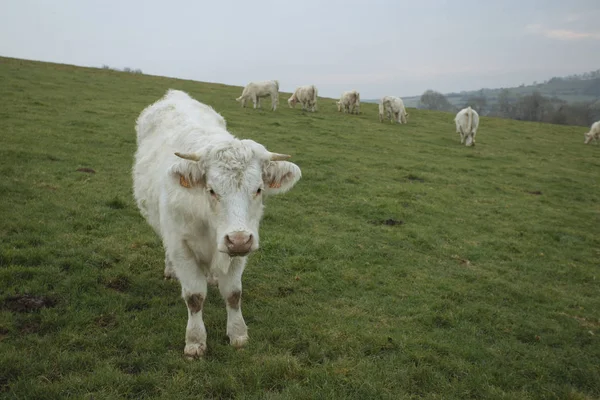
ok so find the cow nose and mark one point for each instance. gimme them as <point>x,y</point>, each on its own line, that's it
<point>238,243</point>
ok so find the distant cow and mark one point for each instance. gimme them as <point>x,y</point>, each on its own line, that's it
<point>258,90</point>
<point>467,122</point>
<point>349,102</point>
<point>201,189</point>
<point>392,107</point>
<point>306,95</point>
<point>593,134</point>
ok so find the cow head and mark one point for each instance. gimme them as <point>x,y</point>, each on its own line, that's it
<point>292,101</point>
<point>588,137</point>
<point>404,117</point>
<point>227,182</point>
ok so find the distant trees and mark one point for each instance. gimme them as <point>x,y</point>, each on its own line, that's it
<point>433,100</point>
<point>510,104</point>
<point>126,69</point>
<point>479,103</point>
<point>536,107</point>
<point>504,106</point>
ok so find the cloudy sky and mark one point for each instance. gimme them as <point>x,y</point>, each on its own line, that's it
<point>378,47</point>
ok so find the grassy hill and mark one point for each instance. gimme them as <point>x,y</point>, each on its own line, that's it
<point>402,265</point>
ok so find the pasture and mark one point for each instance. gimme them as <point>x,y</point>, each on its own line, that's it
<point>402,265</point>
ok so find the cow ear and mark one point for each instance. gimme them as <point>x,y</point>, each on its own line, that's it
<point>188,174</point>
<point>280,176</point>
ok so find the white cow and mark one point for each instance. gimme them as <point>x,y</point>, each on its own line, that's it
<point>258,90</point>
<point>349,102</point>
<point>467,122</point>
<point>306,95</point>
<point>594,133</point>
<point>394,108</point>
<point>202,189</point>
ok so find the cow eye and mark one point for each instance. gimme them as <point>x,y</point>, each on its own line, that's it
<point>212,192</point>
<point>259,191</point>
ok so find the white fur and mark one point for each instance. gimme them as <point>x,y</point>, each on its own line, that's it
<point>349,102</point>
<point>593,134</point>
<point>192,222</point>
<point>306,95</point>
<point>467,123</point>
<point>394,108</point>
<point>257,90</point>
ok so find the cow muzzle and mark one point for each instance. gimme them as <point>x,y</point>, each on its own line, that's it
<point>238,244</point>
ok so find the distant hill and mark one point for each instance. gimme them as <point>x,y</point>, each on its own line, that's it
<point>572,89</point>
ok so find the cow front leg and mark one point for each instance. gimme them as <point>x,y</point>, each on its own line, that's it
<point>193,290</point>
<point>230,286</point>
<point>194,296</point>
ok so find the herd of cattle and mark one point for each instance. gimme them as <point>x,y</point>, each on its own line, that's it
<point>390,107</point>
<point>201,189</point>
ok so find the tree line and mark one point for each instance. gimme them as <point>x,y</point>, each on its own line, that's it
<point>530,107</point>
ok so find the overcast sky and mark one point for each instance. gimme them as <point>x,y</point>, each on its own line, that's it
<point>392,47</point>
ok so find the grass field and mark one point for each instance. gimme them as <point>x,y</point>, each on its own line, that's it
<point>402,266</point>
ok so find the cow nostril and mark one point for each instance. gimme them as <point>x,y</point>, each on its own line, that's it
<point>238,240</point>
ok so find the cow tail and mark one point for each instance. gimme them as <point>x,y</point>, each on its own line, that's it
<point>469,119</point>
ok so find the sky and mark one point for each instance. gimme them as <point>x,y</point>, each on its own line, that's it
<point>377,47</point>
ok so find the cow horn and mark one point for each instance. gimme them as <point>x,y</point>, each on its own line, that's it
<point>279,157</point>
<point>188,156</point>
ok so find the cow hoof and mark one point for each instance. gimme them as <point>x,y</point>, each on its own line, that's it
<point>194,350</point>
<point>239,341</point>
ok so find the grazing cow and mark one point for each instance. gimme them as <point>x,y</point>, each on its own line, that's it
<point>467,122</point>
<point>258,90</point>
<point>593,134</point>
<point>202,189</point>
<point>349,102</point>
<point>306,95</point>
<point>394,108</point>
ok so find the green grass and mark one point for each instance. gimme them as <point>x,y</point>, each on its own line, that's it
<point>488,289</point>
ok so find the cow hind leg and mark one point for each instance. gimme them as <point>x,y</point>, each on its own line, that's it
<point>462,135</point>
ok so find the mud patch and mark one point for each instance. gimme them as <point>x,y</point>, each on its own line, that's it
<point>28,303</point>
<point>137,306</point>
<point>535,192</point>
<point>414,178</point>
<point>29,327</point>
<point>3,332</point>
<point>106,321</point>
<point>284,291</point>
<point>86,170</point>
<point>116,204</point>
<point>461,260</point>
<point>119,283</point>
<point>388,222</point>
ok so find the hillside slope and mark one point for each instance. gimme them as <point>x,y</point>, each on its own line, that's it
<point>402,265</point>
